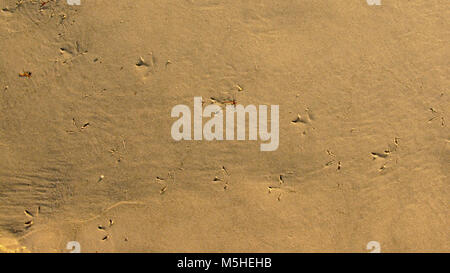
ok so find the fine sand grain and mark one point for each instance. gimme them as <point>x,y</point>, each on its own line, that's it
<point>86,94</point>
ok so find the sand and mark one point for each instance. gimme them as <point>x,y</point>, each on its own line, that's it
<point>87,152</point>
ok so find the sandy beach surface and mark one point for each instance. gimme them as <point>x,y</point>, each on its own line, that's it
<point>86,93</point>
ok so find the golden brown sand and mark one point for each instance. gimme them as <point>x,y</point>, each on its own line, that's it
<point>87,153</point>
